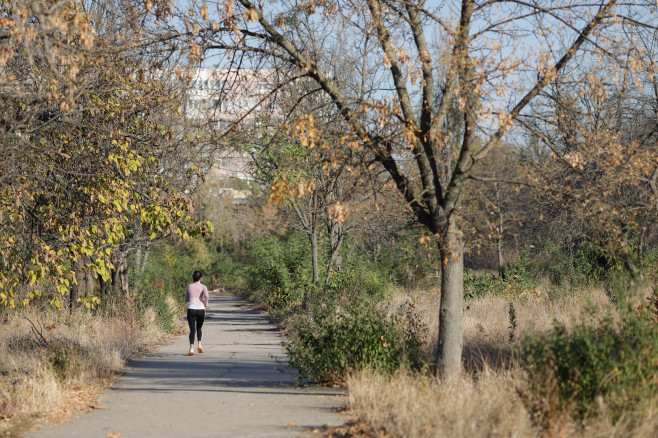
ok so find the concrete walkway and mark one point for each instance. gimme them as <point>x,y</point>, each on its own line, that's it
<point>234,389</point>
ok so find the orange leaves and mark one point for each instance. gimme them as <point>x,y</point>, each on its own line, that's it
<point>196,53</point>
<point>250,14</point>
<point>339,212</point>
<point>303,129</point>
<point>6,53</point>
<point>305,187</point>
<point>410,136</point>
<point>575,160</point>
<point>505,121</point>
<point>279,190</point>
<point>282,188</point>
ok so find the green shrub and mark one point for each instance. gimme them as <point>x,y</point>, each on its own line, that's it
<point>515,279</point>
<point>406,261</point>
<point>360,277</point>
<point>334,336</point>
<point>280,270</point>
<point>568,371</point>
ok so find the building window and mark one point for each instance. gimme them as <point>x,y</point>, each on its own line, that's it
<point>262,87</point>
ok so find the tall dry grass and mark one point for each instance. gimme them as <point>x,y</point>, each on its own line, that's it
<point>486,323</point>
<point>409,406</point>
<point>53,364</point>
<point>488,399</point>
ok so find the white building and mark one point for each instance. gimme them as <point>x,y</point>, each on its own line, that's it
<point>224,98</point>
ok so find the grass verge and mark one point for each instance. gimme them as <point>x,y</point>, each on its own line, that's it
<point>53,365</point>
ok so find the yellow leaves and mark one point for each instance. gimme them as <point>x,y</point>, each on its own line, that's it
<point>279,190</point>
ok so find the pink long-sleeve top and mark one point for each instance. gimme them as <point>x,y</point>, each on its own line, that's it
<point>197,296</point>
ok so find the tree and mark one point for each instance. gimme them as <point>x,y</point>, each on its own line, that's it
<point>600,161</point>
<point>82,135</point>
<point>402,118</point>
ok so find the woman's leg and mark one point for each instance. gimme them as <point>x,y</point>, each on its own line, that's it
<point>201,316</point>
<point>191,321</point>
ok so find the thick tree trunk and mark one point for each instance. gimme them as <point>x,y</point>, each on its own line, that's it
<point>449,352</point>
<point>123,275</point>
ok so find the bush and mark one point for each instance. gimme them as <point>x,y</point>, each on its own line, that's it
<point>516,279</point>
<point>334,336</point>
<point>360,277</point>
<point>568,371</point>
<point>280,270</point>
<point>406,262</point>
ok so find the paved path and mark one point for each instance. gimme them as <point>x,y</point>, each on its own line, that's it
<point>234,389</point>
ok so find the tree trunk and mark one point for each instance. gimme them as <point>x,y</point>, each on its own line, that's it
<point>628,260</point>
<point>449,352</point>
<point>640,254</point>
<point>145,258</point>
<point>77,288</point>
<point>499,252</point>
<point>90,283</point>
<point>313,236</point>
<point>120,274</point>
<point>336,236</point>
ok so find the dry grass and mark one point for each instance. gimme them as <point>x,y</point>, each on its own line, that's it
<point>408,405</point>
<point>487,323</point>
<point>487,401</point>
<point>413,406</point>
<point>49,379</point>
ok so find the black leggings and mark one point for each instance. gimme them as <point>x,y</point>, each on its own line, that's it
<point>195,319</point>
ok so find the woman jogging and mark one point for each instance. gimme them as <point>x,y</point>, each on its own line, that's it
<point>197,296</point>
